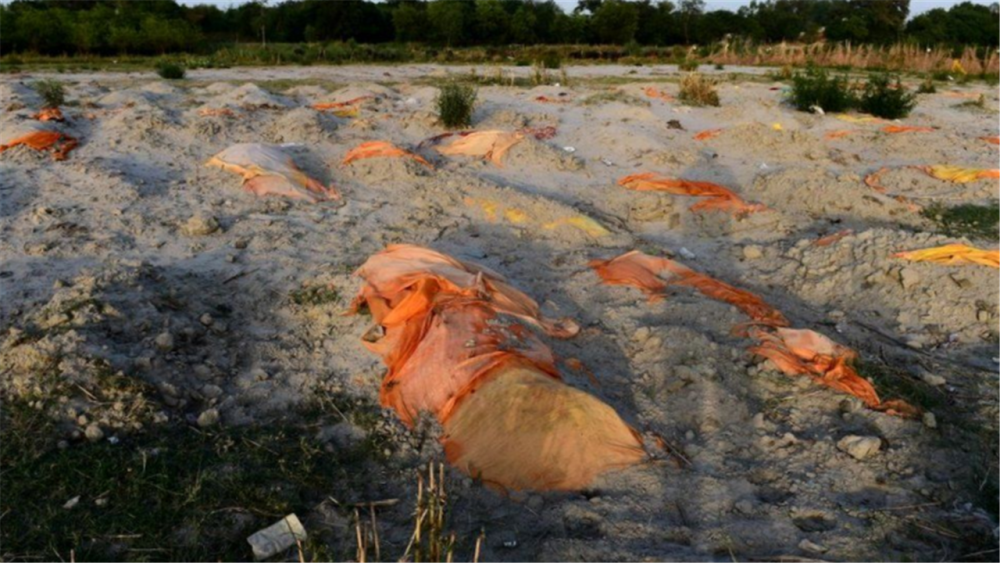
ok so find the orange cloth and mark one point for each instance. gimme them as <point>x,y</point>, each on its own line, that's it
<point>60,143</point>
<point>991,140</point>
<point>830,239</point>
<point>490,145</point>
<point>839,133</point>
<point>373,149</point>
<point>953,254</point>
<point>339,105</point>
<point>906,129</point>
<point>716,197</point>
<point>455,346</point>
<point>708,134</point>
<point>49,114</point>
<point>267,170</point>
<point>548,100</point>
<point>652,92</point>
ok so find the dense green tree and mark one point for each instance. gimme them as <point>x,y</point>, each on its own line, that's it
<point>448,19</point>
<point>410,21</point>
<point>615,22</point>
<point>522,25</point>
<point>492,22</point>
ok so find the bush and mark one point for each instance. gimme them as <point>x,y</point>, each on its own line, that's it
<point>927,86</point>
<point>719,66</point>
<point>551,60</point>
<point>815,87</point>
<point>883,98</point>
<point>696,90</point>
<point>455,104</point>
<point>52,92</point>
<point>688,65</point>
<point>170,71</point>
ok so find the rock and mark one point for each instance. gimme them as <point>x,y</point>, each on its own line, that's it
<point>908,277</point>
<point>208,418</point>
<point>93,432</point>
<point>164,342</point>
<point>211,391</point>
<point>206,319</point>
<point>983,316</point>
<point>806,545</point>
<point>200,225</point>
<point>859,447</point>
<point>930,421</point>
<point>72,503</point>
<point>753,252</point>
<point>932,379</point>
<point>343,435</point>
<point>641,335</point>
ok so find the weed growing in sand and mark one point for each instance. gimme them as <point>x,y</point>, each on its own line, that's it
<point>977,104</point>
<point>455,104</point>
<point>170,71</point>
<point>315,295</point>
<point>614,96</point>
<point>696,90</point>
<point>886,97</point>
<point>53,92</point>
<point>967,220</point>
<point>688,65</point>
<point>815,87</point>
<point>927,86</point>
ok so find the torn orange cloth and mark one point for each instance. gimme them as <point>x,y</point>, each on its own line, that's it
<point>906,129</point>
<point>455,346</point>
<point>708,134</point>
<point>59,143</point>
<point>643,271</point>
<point>339,105</point>
<point>953,254</point>
<point>716,197</point>
<point>49,114</point>
<point>490,145</point>
<point>959,174</point>
<point>839,133</point>
<point>267,170</point>
<point>832,238</point>
<point>374,149</point>
<point>652,92</point>
<point>991,140</point>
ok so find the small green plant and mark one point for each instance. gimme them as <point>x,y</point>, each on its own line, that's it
<point>815,87</point>
<point>688,65</point>
<point>886,98</point>
<point>978,103</point>
<point>941,76</point>
<point>170,71</point>
<point>719,66</point>
<point>967,220</point>
<point>315,295</point>
<point>696,90</point>
<point>53,92</point>
<point>927,86</point>
<point>612,96</point>
<point>551,60</point>
<point>455,104</point>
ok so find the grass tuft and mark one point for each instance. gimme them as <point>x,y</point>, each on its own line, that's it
<point>455,104</point>
<point>885,96</point>
<point>696,90</point>
<point>966,220</point>
<point>53,92</point>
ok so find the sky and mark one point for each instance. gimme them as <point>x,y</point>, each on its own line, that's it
<point>916,6</point>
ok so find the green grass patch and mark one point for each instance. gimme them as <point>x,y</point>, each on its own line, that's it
<point>602,98</point>
<point>967,220</point>
<point>172,493</point>
<point>895,383</point>
<point>314,295</point>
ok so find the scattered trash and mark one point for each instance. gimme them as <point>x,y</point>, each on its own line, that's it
<point>452,337</point>
<point>582,222</point>
<point>266,170</point>
<point>570,149</point>
<point>653,92</point>
<point>540,133</point>
<point>953,255</point>
<point>277,537</point>
<point>375,149</point>
<point>777,127</point>
<point>838,134</point>
<point>49,114</point>
<point>607,162</point>
<point>859,118</point>
<point>71,503</point>
<point>830,239</point>
<point>341,105</point>
<point>716,197</point>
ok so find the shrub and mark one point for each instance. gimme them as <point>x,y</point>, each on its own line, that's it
<point>551,60</point>
<point>455,104</point>
<point>170,71</point>
<point>688,65</point>
<point>52,92</point>
<point>719,66</point>
<point>883,98</point>
<point>696,90</point>
<point>927,86</point>
<point>815,87</point>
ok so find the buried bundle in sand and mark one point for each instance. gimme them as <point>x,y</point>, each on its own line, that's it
<point>40,137</point>
<point>457,344</point>
<point>267,170</point>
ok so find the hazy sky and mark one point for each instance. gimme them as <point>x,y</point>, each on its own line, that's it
<point>916,6</point>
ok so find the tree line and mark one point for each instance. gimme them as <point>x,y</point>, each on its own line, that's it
<point>110,27</point>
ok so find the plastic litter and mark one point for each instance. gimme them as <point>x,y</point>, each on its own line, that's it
<point>277,537</point>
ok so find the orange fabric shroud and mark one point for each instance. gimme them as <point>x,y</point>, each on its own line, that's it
<point>267,170</point>
<point>832,238</point>
<point>953,254</point>
<point>59,143</point>
<point>652,92</point>
<point>456,345</point>
<point>643,271</point>
<point>49,114</point>
<point>708,134</point>
<point>339,105</point>
<point>490,145</point>
<point>716,197</point>
<point>375,149</point>
<point>839,134</point>
<point>906,129</point>
<point>991,140</point>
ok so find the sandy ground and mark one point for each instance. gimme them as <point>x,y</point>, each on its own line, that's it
<point>102,246</point>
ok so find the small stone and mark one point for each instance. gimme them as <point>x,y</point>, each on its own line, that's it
<point>806,545</point>
<point>859,447</point>
<point>72,503</point>
<point>641,335</point>
<point>208,418</point>
<point>753,252</point>
<point>930,421</point>
<point>206,319</point>
<point>164,342</point>
<point>744,506</point>
<point>908,277</point>
<point>211,391</point>
<point>933,379</point>
<point>93,432</point>
<point>240,244</point>
<point>202,371</point>
<point>200,225</point>
<point>983,316</point>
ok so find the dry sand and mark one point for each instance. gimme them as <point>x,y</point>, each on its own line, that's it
<point>113,247</point>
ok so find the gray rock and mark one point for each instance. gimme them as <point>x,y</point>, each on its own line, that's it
<point>94,432</point>
<point>164,342</point>
<point>930,421</point>
<point>806,545</point>
<point>208,418</point>
<point>933,379</point>
<point>753,252</point>
<point>859,447</point>
<point>211,391</point>
<point>200,225</point>
<point>908,277</point>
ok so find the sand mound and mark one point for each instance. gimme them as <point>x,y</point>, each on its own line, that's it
<point>620,143</point>
<point>760,141</point>
<point>370,92</point>
<point>17,93</point>
<point>307,94</point>
<point>161,88</point>
<point>510,119</point>
<point>250,96</point>
<point>418,98</point>
<point>924,189</point>
<point>131,98</point>
<point>385,171</point>
<point>217,88</point>
<point>533,153</point>
<point>301,125</point>
<point>131,126</point>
